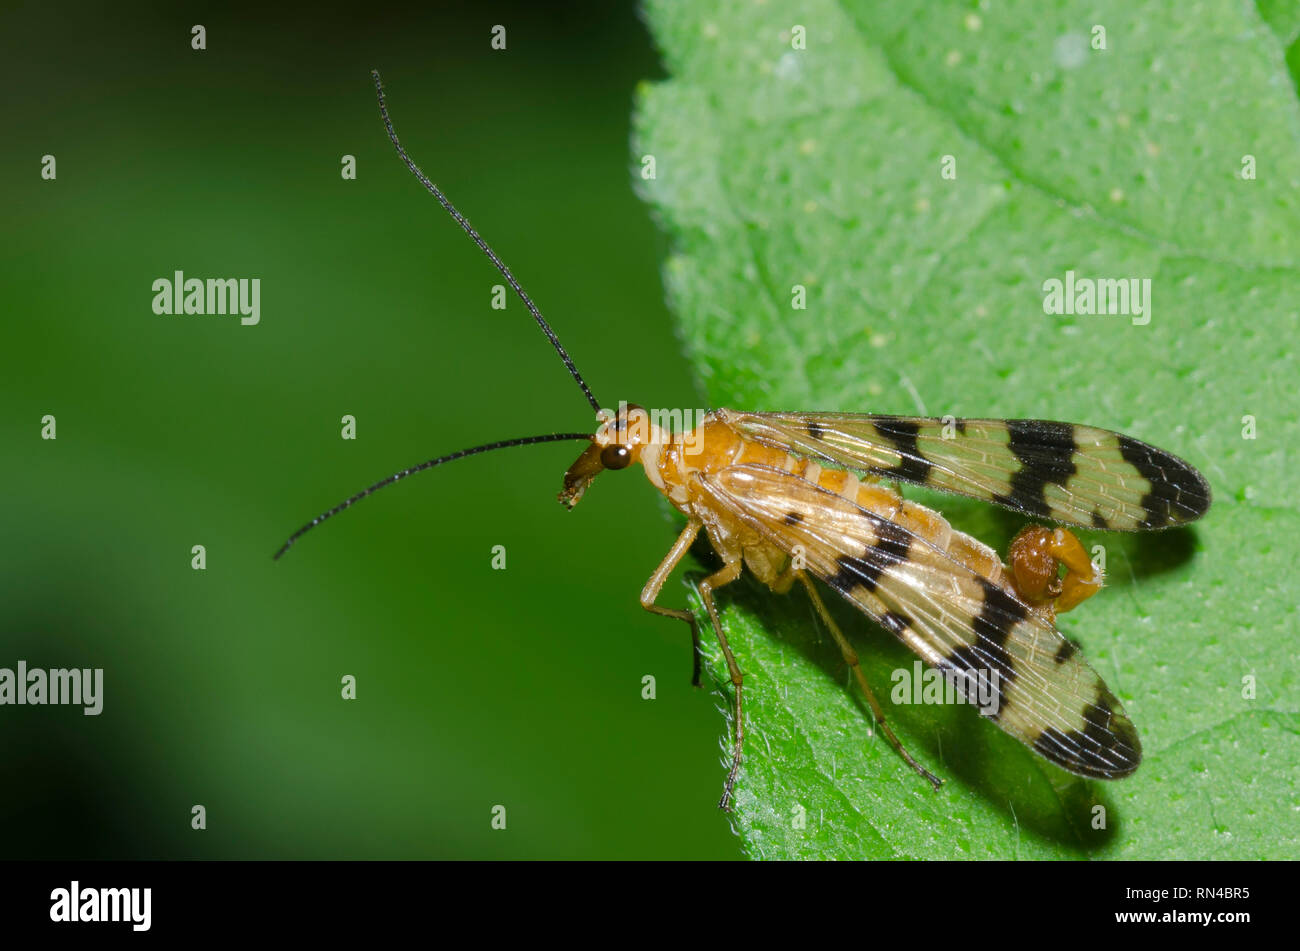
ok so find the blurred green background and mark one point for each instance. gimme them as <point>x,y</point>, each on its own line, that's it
<point>476,687</point>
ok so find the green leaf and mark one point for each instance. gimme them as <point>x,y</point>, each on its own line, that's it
<point>820,167</point>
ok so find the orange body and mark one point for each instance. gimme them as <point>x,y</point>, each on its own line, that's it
<point>672,462</point>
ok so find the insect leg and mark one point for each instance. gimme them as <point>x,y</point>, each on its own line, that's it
<point>727,574</point>
<point>851,658</point>
<point>650,593</point>
<point>1034,557</point>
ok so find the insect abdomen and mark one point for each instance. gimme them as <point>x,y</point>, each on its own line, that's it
<point>917,519</point>
<point>868,493</point>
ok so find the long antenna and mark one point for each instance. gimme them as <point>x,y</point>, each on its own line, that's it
<point>483,245</point>
<point>399,476</point>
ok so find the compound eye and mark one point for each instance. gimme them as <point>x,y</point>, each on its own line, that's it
<point>615,457</point>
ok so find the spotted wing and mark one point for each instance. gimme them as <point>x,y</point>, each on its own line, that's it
<point>1074,474</point>
<point>1043,692</point>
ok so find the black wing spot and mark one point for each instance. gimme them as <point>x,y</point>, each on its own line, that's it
<point>1045,451</point>
<point>849,575</point>
<point>892,547</point>
<point>1106,748</point>
<point>1067,650</point>
<point>793,518</point>
<point>815,429</point>
<point>1099,520</point>
<point>895,623</point>
<point>999,614</point>
<point>902,434</point>
<point>1178,492</point>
